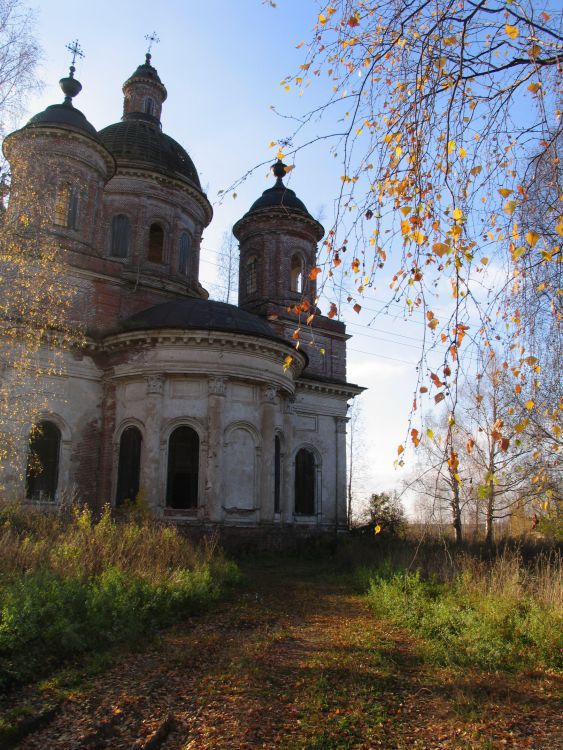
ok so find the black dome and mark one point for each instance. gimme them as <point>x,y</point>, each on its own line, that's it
<point>143,143</point>
<point>200,314</point>
<point>66,116</point>
<point>281,196</point>
<point>146,70</point>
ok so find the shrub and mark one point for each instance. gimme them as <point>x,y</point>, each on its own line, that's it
<point>76,585</point>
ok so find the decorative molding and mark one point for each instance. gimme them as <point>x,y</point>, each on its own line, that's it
<point>341,424</point>
<point>217,385</point>
<point>270,393</point>
<point>289,405</point>
<point>155,384</point>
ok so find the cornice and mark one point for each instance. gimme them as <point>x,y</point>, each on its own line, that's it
<point>348,390</point>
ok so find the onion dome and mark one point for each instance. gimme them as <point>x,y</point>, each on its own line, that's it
<point>281,201</point>
<point>198,314</point>
<point>142,144</point>
<point>65,115</point>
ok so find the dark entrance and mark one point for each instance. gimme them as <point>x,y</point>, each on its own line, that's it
<point>129,467</point>
<point>304,483</point>
<point>183,467</point>
<point>42,475</point>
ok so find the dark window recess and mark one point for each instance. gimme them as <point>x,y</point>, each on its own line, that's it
<point>296,281</point>
<point>72,218</point>
<point>184,253</point>
<point>66,207</point>
<point>277,473</point>
<point>42,475</point>
<point>304,483</point>
<point>156,243</point>
<point>120,231</point>
<point>149,105</point>
<point>129,467</point>
<point>251,276</point>
<point>183,467</point>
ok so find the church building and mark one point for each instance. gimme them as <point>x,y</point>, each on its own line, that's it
<point>206,410</point>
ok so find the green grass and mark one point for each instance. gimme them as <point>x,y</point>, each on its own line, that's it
<point>493,618</point>
<point>72,587</point>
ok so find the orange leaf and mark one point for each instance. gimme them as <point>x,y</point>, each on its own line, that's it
<point>357,308</point>
<point>439,397</point>
<point>314,272</point>
<point>400,450</point>
<point>333,310</point>
<point>353,21</point>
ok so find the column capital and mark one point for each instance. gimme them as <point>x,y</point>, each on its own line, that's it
<point>154,384</point>
<point>269,393</point>
<point>217,385</point>
<point>341,423</point>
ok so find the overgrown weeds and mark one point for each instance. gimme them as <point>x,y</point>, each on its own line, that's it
<point>503,611</point>
<point>72,585</point>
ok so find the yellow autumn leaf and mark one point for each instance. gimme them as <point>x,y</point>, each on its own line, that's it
<point>505,192</point>
<point>405,226</point>
<point>419,237</point>
<point>377,529</point>
<point>534,87</point>
<point>430,434</point>
<point>532,238</point>
<point>287,362</point>
<point>322,19</point>
<point>559,226</point>
<point>509,207</point>
<point>457,214</point>
<point>476,170</point>
<point>530,405</point>
<point>512,31</point>
<point>451,147</point>
<point>462,153</point>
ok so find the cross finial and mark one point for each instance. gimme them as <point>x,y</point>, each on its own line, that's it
<point>151,39</point>
<point>76,50</point>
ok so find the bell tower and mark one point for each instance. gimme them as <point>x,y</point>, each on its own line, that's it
<point>144,94</point>
<point>278,249</point>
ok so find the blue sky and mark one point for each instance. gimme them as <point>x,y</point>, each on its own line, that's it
<point>222,62</point>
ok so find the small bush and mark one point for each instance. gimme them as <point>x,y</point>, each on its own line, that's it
<point>72,586</point>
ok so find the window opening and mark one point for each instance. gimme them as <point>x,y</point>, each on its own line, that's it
<point>251,275</point>
<point>184,253</point>
<point>183,469</point>
<point>120,232</point>
<point>129,466</point>
<point>149,106</point>
<point>156,243</point>
<point>296,282</point>
<point>304,483</point>
<point>277,473</point>
<point>66,207</point>
<point>42,475</point>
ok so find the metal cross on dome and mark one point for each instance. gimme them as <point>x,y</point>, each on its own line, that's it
<point>76,50</point>
<point>151,39</point>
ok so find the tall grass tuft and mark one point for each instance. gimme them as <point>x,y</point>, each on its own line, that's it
<point>70,585</point>
<point>499,612</point>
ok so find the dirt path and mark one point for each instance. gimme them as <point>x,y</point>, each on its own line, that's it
<point>297,662</point>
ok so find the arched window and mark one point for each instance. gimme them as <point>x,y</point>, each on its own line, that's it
<point>156,243</point>
<point>42,475</point>
<point>277,473</point>
<point>120,233</point>
<point>305,483</point>
<point>184,253</point>
<point>148,105</point>
<point>252,275</point>
<point>296,279</point>
<point>183,468</point>
<point>66,207</point>
<point>129,466</point>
